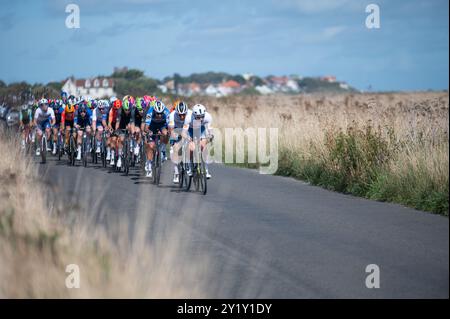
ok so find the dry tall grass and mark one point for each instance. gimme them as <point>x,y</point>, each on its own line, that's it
<point>38,241</point>
<point>414,125</point>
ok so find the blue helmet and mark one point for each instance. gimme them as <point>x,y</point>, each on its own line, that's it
<point>63,94</point>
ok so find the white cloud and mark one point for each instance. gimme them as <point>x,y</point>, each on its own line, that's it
<point>333,31</point>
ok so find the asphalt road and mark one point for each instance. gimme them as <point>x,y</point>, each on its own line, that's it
<point>275,237</point>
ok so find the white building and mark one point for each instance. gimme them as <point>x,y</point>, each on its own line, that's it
<point>263,89</point>
<point>95,87</point>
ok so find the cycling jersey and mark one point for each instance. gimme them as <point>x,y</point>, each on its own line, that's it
<point>137,117</point>
<point>150,117</point>
<point>175,120</point>
<point>58,114</point>
<point>69,117</point>
<point>98,116</point>
<point>26,116</point>
<point>198,127</point>
<point>83,122</point>
<point>124,119</point>
<point>41,116</point>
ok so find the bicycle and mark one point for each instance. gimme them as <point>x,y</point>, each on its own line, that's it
<point>184,180</point>
<point>44,147</point>
<point>72,147</point>
<point>85,147</point>
<point>157,159</point>
<point>60,145</point>
<point>124,156</point>
<point>28,138</point>
<point>199,170</point>
<point>103,150</point>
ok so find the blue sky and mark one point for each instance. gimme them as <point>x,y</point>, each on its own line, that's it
<point>306,37</point>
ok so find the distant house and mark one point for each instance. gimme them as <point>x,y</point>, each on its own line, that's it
<point>94,87</point>
<point>170,85</point>
<point>211,90</point>
<point>292,86</point>
<point>263,89</point>
<point>229,87</point>
<point>195,88</point>
<point>329,78</point>
<point>163,88</point>
<point>344,86</point>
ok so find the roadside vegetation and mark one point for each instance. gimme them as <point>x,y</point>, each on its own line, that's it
<point>388,147</point>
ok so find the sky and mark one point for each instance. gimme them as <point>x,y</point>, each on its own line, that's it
<point>410,50</point>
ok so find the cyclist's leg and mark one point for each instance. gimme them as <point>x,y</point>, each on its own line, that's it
<point>79,141</point>
<point>39,133</point>
<point>98,137</point>
<point>55,137</point>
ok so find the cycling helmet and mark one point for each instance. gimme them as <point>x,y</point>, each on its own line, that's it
<point>159,107</point>
<point>112,100</point>
<point>24,107</point>
<point>69,108</point>
<point>117,104</point>
<point>147,99</point>
<point>140,104</point>
<point>93,104</point>
<point>181,108</point>
<point>71,99</point>
<point>59,103</point>
<point>199,110</point>
<point>128,102</point>
<point>63,94</point>
<point>43,102</point>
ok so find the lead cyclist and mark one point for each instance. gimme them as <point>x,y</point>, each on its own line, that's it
<point>198,124</point>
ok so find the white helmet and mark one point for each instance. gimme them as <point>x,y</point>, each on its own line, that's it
<point>199,110</point>
<point>112,99</point>
<point>159,107</point>
<point>43,101</point>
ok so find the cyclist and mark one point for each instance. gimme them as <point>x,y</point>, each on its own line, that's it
<point>64,97</point>
<point>56,105</point>
<point>44,118</point>
<point>99,122</point>
<point>156,120</point>
<point>176,122</point>
<point>197,124</point>
<point>67,119</point>
<point>25,119</point>
<point>124,122</point>
<point>112,118</point>
<point>138,122</point>
<point>82,122</point>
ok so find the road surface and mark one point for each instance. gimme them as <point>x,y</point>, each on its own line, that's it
<point>275,237</point>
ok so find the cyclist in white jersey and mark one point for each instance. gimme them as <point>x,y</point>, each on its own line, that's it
<point>198,124</point>
<point>44,119</point>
